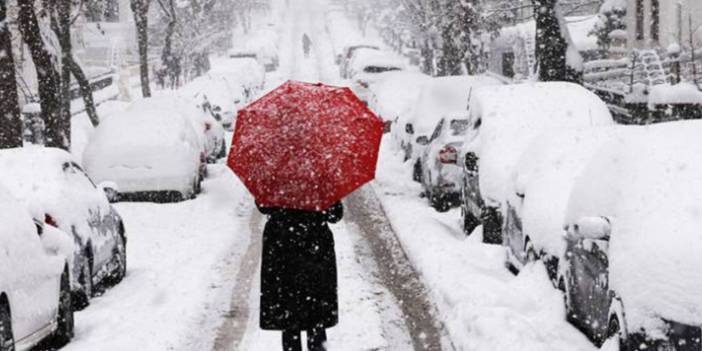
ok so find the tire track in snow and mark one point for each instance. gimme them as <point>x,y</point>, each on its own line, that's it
<point>396,271</point>
<point>236,321</point>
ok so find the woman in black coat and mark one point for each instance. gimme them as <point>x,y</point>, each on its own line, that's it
<point>298,275</point>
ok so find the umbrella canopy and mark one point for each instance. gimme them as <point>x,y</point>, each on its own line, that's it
<point>305,146</point>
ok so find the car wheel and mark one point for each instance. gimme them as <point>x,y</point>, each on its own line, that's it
<point>7,339</point>
<point>614,340</point>
<point>417,171</point>
<point>492,228</point>
<point>469,222</point>
<point>120,259</point>
<point>439,203</point>
<point>86,282</point>
<point>531,255</point>
<point>64,319</point>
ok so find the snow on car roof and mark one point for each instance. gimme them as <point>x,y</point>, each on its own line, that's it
<point>395,91</point>
<point>511,116</point>
<point>544,177</point>
<point>649,183</point>
<point>442,95</point>
<point>38,179</point>
<point>369,57</point>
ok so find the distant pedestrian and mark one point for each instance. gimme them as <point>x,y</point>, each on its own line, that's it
<point>298,275</point>
<point>306,44</point>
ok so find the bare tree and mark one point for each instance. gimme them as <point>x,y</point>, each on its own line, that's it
<point>58,131</point>
<point>10,121</point>
<point>140,8</point>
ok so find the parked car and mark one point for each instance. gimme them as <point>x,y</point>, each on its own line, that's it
<point>151,151</point>
<point>347,54</point>
<point>260,45</point>
<point>55,186</point>
<point>506,119</point>
<point>392,96</point>
<point>439,98</point>
<point>35,289</point>
<point>210,131</point>
<point>539,191</point>
<point>441,169</point>
<point>245,72</point>
<point>216,96</point>
<point>631,268</point>
<point>366,68</point>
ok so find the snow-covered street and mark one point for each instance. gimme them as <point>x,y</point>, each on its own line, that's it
<point>510,210</point>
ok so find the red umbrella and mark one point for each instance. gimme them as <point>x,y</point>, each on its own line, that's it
<point>305,146</point>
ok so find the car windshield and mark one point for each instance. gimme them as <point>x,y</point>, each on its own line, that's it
<point>459,127</point>
<point>379,69</point>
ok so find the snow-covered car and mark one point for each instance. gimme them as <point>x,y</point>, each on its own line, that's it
<point>539,191</point>
<point>260,47</point>
<point>216,96</point>
<point>246,72</point>
<point>439,98</point>
<point>35,289</point>
<point>631,269</point>
<point>366,68</point>
<point>505,120</point>
<point>210,131</point>
<point>441,170</point>
<point>55,187</point>
<point>347,54</point>
<point>393,94</point>
<point>150,151</point>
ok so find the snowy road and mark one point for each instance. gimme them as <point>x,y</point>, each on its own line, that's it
<point>408,278</point>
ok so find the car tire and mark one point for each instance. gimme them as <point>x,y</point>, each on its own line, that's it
<point>82,300</point>
<point>492,226</point>
<point>439,203</point>
<point>469,222</point>
<point>64,320</point>
<point>222,151</point>
<point>7,338</point>
<point>614,333</point>
<point>120,257</point>
<point>417,171</point>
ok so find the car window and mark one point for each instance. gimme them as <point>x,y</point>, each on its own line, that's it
<point>459,126</point>
<point>78,176</point>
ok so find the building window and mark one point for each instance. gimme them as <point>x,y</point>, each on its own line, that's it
<point>639,19</point>
<point>655,20</point>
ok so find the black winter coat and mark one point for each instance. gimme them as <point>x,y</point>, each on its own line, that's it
<point>298,269</point>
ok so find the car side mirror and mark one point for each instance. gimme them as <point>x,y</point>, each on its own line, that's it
<point>423,140</point>
<point>593,228</point>
<point>111,191</point>
<point>471,162</point>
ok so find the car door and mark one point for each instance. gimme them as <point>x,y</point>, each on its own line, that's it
<point>34,294</point>
<point>589,285</point>
<point>99,221</point>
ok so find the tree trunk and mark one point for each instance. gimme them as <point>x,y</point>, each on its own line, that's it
<point>57,131</point>
<point>63,32</point>
<point>11,123</point>
<point>140,8</point>
<point>86,91</point>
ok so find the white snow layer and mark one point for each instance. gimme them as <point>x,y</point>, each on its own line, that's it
<point>649,183</point>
